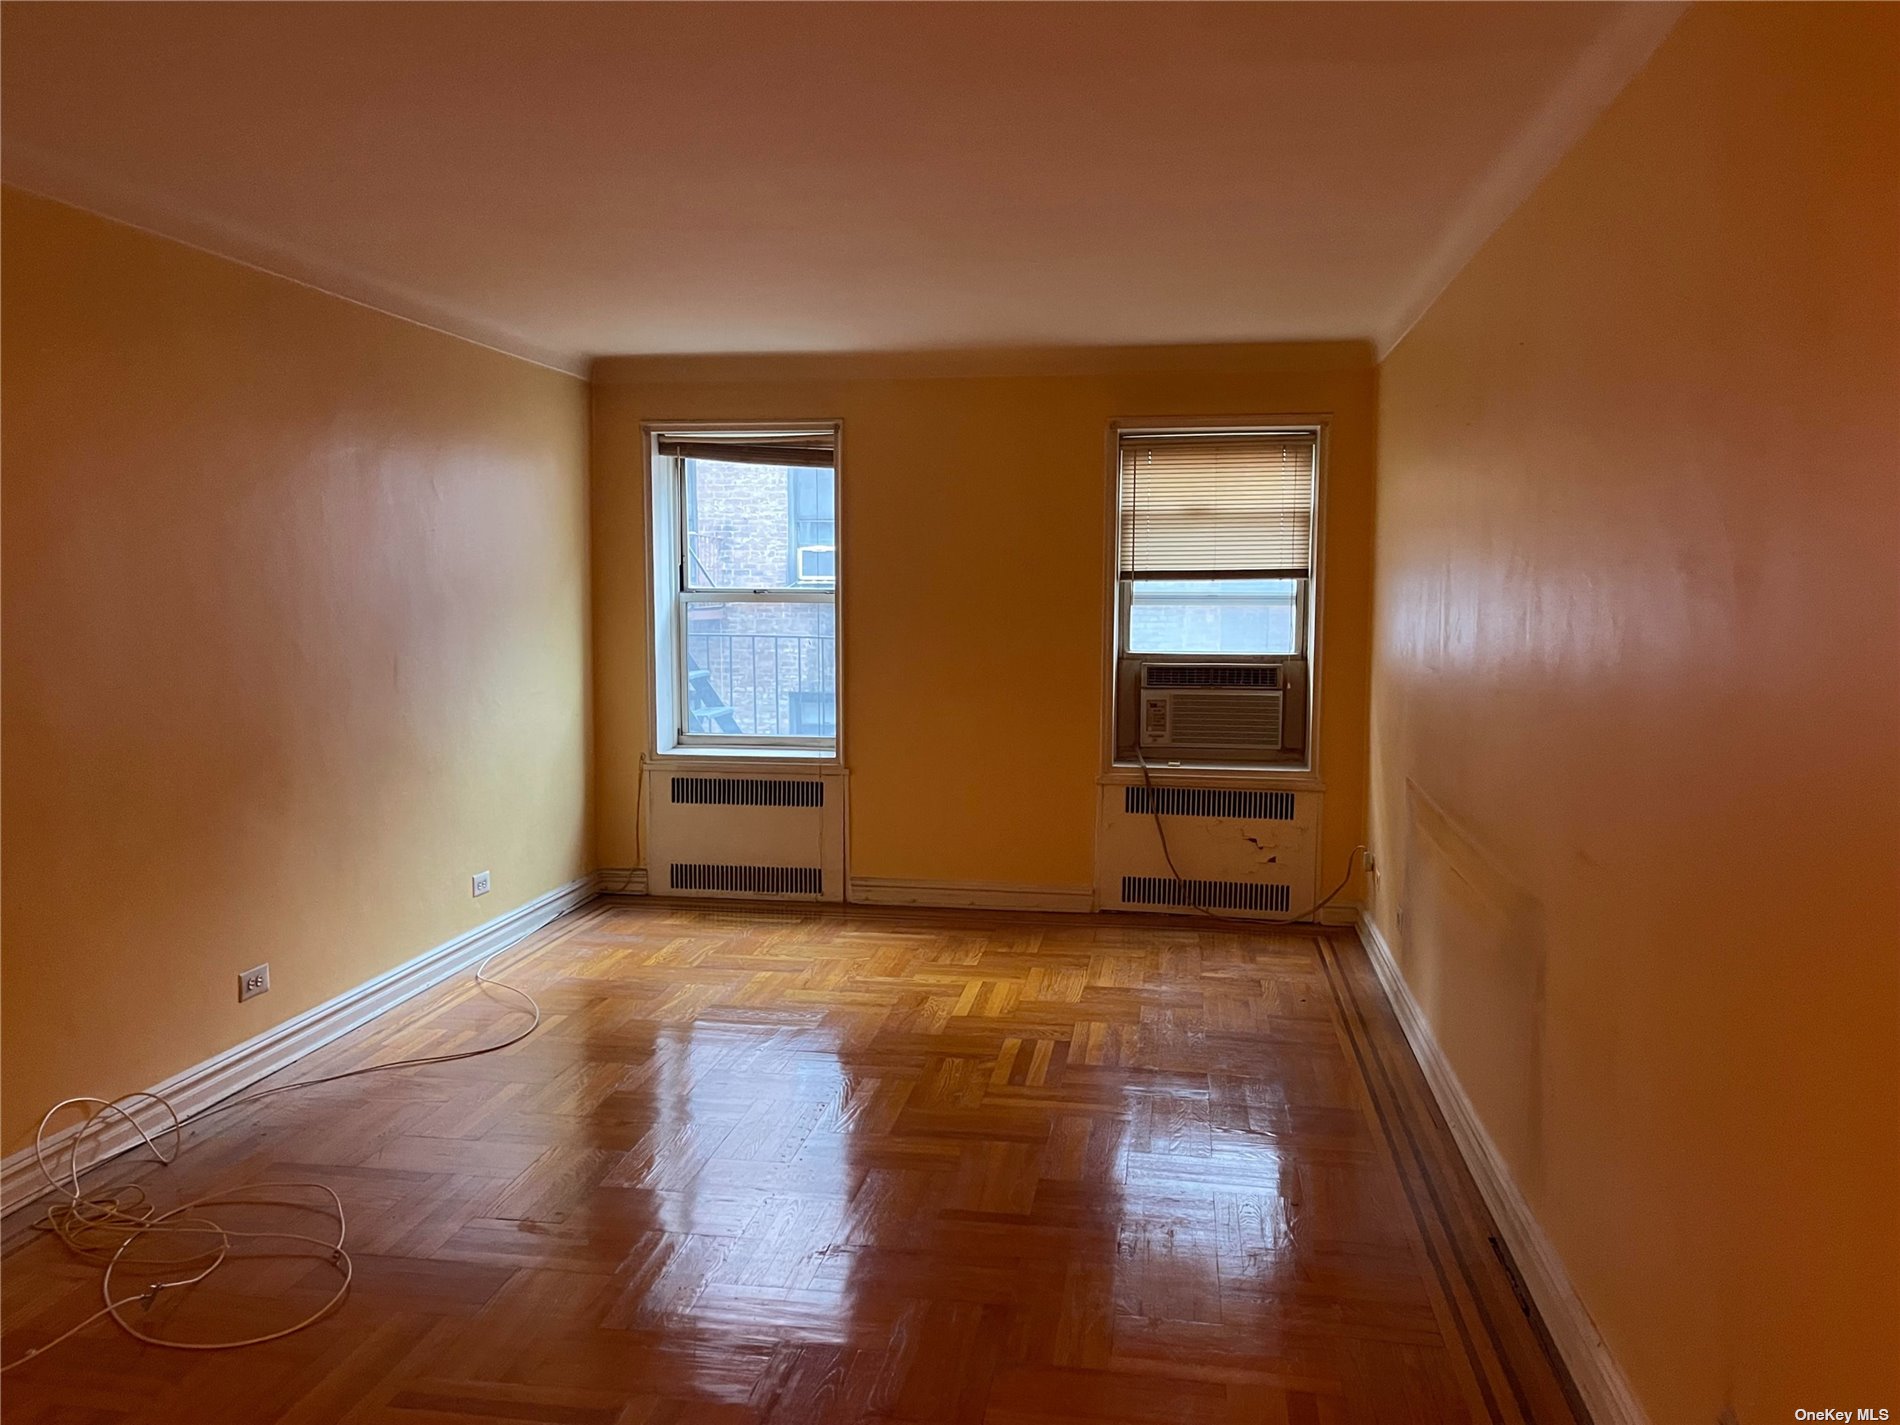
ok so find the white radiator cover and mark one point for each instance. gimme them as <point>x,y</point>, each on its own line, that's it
<point>1241,843</point>
<point>745,834</point>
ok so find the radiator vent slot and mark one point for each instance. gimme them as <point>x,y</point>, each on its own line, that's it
<point>1211,675</point>
<point>758,880</point>
<point>748,792</point>
<point>1209,801</point>
<point>1206,895</point>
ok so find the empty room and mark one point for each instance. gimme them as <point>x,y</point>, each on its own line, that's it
<point>1035,713</point>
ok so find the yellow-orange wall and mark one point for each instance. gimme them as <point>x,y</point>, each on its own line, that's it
<point>1636,707</point>
<point>974,582</point>
<point>295,640</point>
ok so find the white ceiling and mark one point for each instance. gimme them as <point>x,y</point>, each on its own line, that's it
<point>568,180</point>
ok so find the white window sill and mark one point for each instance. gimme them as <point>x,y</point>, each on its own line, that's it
<point>752,756</point>
<point>1201,774</point>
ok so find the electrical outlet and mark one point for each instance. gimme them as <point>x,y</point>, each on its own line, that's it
<point>478,884</point>
<point>253,983</point>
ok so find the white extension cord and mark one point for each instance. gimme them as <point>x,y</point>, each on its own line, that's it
<point>102,1228</point>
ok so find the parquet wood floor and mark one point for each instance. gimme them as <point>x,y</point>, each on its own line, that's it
<point>790,1165</point>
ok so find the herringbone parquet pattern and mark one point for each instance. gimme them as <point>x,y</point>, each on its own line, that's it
<point>820,1165</point>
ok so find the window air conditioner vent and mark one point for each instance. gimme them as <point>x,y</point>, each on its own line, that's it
<point>1209,801</point>
<point>758,880</point>
<point>1211,675</point>
<point>1241,719</point>
<point>748,792</point>
<point>1206,895</point>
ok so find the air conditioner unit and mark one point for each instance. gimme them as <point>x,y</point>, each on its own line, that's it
<point>816,563</point>
<point>1236,709</point>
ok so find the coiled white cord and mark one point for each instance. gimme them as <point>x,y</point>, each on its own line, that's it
<point>103,1228</point>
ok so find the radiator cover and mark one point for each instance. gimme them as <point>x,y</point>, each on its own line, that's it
<point>1239,851</point>
<point>744,834</point>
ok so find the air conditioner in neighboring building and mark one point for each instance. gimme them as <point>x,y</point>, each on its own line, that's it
<point>1213,709</point>
<point>816,563</point>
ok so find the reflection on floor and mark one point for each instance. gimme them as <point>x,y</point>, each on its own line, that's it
<point>814,1165</point>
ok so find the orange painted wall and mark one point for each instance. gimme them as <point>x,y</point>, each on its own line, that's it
<point>1636,707</point>
<point>974,585</point>
<point>295,640</point>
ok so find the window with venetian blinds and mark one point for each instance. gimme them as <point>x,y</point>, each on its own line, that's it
<point>1220,505</point>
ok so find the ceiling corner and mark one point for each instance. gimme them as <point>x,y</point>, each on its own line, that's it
<point>1600,73</point>
<point>33,169</point>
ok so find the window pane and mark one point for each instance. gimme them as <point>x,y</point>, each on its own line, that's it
<point>1214,616</point>
<point>761,670</point>
<point>760,526</point>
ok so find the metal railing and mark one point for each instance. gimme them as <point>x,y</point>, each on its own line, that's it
<point>762,678</point>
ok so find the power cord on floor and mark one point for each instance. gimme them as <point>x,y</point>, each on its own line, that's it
<point>1167,855</point>
<point>102,1228</point>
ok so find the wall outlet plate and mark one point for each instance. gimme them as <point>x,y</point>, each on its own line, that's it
<point>254,982</point>
<point>478,884</point>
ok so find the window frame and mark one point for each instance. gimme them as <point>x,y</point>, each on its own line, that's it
<point>672,594</point>
<point>1304,774</point>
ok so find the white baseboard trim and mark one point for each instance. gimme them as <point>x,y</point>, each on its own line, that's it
<point>222,1075</point>
<point>968,895</point>
<point>1340,913</point>
<point>620,881</point>
<point>1599,1379</point>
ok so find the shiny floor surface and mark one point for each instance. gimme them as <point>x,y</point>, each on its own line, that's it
<point>826,1165</point>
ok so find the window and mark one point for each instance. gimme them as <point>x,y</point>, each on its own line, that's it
<point>814,715</point>
<point>1214,563</point>
<point>814,537</point>
<point>749,651</point>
